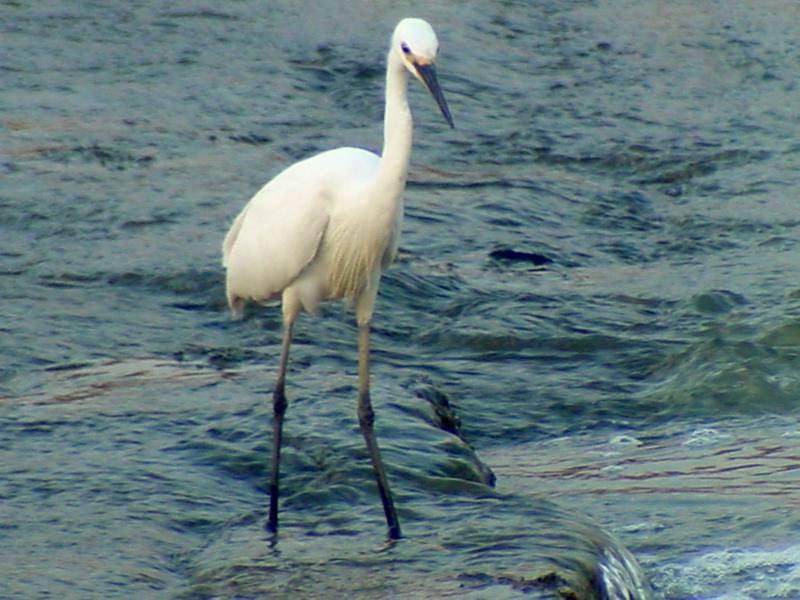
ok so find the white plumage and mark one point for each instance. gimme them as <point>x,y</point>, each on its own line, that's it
<point>325,227</point>
<point>314,233</point>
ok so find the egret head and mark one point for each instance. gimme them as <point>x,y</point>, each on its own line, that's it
<point>415,43</point>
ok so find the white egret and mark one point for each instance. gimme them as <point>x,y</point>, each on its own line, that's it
<point>325,227</point>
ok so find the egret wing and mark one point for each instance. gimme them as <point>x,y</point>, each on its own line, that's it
<point>274,238</point>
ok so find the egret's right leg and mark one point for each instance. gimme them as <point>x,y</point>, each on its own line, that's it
<point>279,408</point>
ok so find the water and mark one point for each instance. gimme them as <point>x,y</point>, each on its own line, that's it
<point>597,271</point>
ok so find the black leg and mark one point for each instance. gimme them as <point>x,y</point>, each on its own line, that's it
<point>279,408</point>
<point>366,420</point>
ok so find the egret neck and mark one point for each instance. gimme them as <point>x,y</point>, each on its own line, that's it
<point>397,129</point>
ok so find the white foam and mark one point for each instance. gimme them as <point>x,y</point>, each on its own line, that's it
<point>706,437</point>
<point>736,574</point>
<point>626,441</point>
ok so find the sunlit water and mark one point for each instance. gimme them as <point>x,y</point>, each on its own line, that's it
<point>598,272</point>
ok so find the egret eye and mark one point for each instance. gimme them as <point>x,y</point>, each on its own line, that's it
<point>404,47</point>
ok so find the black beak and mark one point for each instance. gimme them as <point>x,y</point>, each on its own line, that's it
<point>428,75</point>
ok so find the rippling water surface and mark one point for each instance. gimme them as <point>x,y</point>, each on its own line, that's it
<point>596,299</point>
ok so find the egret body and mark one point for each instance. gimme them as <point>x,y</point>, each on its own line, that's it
<point>325,228</point>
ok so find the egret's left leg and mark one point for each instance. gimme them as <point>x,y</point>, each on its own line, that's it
<point>279,408</point>
<point>366,420</point>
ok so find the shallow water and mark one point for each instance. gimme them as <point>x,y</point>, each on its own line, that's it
<point>598,270</point>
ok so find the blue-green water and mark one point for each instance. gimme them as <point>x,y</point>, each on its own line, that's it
<point>599,270</point>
